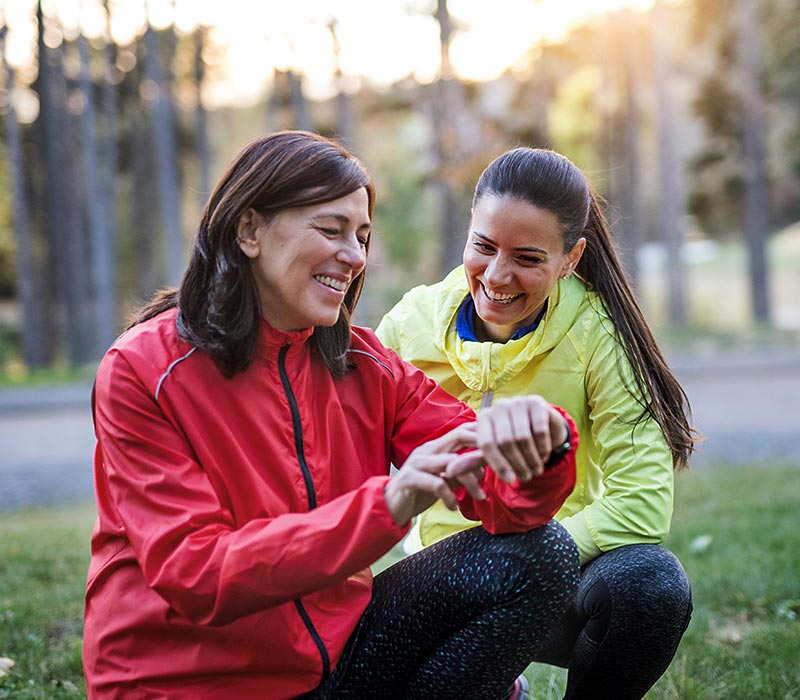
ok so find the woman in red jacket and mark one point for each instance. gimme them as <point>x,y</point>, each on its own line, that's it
<point>245,432</point>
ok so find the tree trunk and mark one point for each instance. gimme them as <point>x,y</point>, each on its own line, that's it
<point>300,110</point>
<point>165,161</point>
<point>272,106</point>
<point>62,214</point>
<point>631,191</point>
<point>345,118</point>
<point>670,202</point>
<point>755,177</point>
<point>445,112</point>
<point>34,349</point>
<point>102,262</point>
<point>201,120</point>
<point>110,158</point>
<point>144,201</point>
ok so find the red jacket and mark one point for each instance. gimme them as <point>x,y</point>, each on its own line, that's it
<point>237,518</point>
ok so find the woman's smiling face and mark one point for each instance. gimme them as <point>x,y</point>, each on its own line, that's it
<point>513,259</point>
<point>304,259</point>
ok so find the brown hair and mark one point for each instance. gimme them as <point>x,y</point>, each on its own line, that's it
<point>552,182</point>
<point>218,302</point>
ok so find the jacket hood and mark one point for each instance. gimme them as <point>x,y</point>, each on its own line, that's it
<point>487,366</point>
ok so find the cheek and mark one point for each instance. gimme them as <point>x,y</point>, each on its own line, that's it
<point>473,265</point>
<point>539,282</point>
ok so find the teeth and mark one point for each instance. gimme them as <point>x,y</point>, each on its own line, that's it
<point>330,282</point>
<point>500,298</point>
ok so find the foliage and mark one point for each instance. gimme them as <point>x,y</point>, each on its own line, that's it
<point>590,96</point>
<point>716,171</point>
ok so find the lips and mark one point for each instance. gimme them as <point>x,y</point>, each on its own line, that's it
<point>338,285</point>
<point>499,298</point>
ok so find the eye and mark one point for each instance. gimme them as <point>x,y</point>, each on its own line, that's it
<point>363,240</point>
<point>328,231</point>
<point>483,247</point>
<point>529,260</point>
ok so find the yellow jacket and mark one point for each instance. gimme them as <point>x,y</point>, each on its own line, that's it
<point>624,488</point>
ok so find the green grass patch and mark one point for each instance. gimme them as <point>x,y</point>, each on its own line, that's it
<point>14,374</point>
<point>744,636</point>
<point>742,642</point>
<point>44,556</point>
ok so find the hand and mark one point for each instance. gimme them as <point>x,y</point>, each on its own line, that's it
<point>517,434</point>
<point>431,472</point>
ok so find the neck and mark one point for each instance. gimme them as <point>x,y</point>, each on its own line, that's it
<point>488,333</point>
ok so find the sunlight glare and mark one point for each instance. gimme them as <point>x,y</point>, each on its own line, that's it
<point>382,42</point>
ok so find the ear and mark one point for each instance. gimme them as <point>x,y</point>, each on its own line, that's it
<point>573,258</point>
<point>247,233</point>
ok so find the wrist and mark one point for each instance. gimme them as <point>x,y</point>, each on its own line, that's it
<point>560,451</point>
<point>394,504</point>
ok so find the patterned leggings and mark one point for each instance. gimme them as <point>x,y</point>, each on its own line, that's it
<point>623,628</point>
<point>460,619</point>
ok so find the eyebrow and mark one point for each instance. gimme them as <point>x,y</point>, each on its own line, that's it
<point>523,249</point>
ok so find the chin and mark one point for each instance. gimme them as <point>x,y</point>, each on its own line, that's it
<point>327,320</point>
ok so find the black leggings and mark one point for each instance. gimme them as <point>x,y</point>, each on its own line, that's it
<point>460,619</point>
<point>623,628</point>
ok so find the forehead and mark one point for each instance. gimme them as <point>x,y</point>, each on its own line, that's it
<point>515,220</point>
<point>354,207</point>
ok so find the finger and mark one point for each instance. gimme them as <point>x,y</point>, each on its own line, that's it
<point>445,494</point>
<point>464,463</point>
<point>511,429</point>
<point>467,470</point>
<point>438,487</point>
<point>488,444</point>
<point>526,445</point>
<point>419,490</point>
<point>429,463</point>
<point>559,427</point>
<point>540,420</point>
<point>471,481</point>
<point>464,435</point>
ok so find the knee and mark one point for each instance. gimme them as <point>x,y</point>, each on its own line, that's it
<point>551,560</point>
<point>648,582</point>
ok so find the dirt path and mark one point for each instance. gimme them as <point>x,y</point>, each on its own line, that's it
<point>748,407</point>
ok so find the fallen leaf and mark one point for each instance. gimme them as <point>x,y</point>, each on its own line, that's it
<point>700,544</point>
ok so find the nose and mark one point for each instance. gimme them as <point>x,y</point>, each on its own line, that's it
<point>352,254</point>
<point>498,272</point>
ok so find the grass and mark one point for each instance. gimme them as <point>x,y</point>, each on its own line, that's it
<point>44,556</point>
<point>742,643</point>
<point>744,637</point>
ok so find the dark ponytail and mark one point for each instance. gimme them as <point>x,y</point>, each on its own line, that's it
<point>658,391</point>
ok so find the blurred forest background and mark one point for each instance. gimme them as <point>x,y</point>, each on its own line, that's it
<point>116,124</point>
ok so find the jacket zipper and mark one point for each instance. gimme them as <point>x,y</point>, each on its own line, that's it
<point>298,429</point>
<point>297,426</point>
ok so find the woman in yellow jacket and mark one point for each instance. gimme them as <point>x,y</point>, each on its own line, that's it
<point>541,305</point>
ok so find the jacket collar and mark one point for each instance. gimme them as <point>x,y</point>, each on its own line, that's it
<point>488,366</point>
<point>272,338</point>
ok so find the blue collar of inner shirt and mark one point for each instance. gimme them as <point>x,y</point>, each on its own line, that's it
<point>465,322</point>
